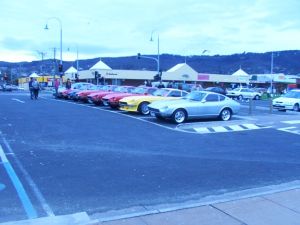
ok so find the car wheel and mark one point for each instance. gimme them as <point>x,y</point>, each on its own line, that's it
<point>256,97</point>
<point>225,114</point>
<point>296,107</point>
<point>143,108</point>
<point>240,97</point>
<point>179,116</point>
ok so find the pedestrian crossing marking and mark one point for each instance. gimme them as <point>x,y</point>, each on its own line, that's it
<point>202,130</point>
<point>236,128</point>
<point>229,128</point>
<point>219,129</point>
<point>291,121</point>
<point>250,126</point>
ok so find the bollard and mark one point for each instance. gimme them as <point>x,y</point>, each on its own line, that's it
<point>250,106</point>
<point>271,105</point>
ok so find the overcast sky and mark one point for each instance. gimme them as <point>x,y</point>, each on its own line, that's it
<point>103,28</point>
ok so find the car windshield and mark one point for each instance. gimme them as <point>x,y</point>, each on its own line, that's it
<point>139,90</point>
<point>120,89</point>
<point>161,92</point>
<point>195,96</point>
<point>292,94</point>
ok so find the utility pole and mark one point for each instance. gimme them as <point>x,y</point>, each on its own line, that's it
<point>42,54</point>
<point>54,64</point>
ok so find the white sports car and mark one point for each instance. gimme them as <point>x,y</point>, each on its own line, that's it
<point>289,101</point>
<point>197,104</point>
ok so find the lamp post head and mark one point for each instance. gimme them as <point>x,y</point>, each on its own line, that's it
<point>46,27</point>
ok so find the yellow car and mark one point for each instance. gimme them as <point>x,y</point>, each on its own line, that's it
<point>140,103</point>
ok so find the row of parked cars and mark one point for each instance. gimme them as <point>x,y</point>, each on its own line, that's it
<point>164,103</point>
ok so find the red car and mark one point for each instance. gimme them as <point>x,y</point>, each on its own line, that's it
<point>75,86</point>
<point>83,95</point>
<point>96,97</point>
<point>113,99</point>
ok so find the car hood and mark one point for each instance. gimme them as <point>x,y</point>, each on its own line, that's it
<point>146,98</point>
<point>285,99</point>
<point>117,95</point>
<point>172,103</point>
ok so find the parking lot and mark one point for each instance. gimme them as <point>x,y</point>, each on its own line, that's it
<point>68,157</point>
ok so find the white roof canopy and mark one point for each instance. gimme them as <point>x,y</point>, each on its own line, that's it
<point>71,70</point>
<point>100,66</point>
<point>240,72</point>
<point>34,75</point>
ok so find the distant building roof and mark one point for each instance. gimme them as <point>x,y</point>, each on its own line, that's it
<point>34,75</point>
<point>177,67</point>
<point>100,66</point>
<point>71,70</point>
<point>240,72</point>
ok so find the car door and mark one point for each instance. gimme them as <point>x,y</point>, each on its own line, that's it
<point>245,92</point>
<point>210,106</point>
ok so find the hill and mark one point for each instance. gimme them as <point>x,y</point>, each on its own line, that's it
<point>287,62</point>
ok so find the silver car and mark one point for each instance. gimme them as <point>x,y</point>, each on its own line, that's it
<point>197,104</point>
<point>244,93</point>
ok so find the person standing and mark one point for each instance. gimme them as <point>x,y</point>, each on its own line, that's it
<point>30,87</point>
<point>56,86</point>
<point>68,84</point>
<point>161,85</point>
<point>36,88</point>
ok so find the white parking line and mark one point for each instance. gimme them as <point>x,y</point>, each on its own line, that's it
<point>17,100</point>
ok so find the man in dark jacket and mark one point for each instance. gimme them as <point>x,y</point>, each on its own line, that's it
<point>31,87</point>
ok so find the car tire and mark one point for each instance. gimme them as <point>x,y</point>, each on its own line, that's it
<point>240,97</point>
<point>296,107</point>
<point>256,97</point>
<point>143,108</point>
<point>225,114</point>
<point>179,116</point>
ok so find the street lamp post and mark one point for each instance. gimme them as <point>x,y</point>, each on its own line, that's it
<point>158,54</point>
<point>271,71</point>
<point>46,28</point>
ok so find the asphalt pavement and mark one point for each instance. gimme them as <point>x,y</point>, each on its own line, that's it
<point>73,158</point>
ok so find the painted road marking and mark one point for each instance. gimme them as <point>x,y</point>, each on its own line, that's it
<point>27,205</point>
<point>291,121</point>
<point>29,180</point>
<point>251,126</point>
<point>290,130</point>
<point>17,100</point>
<point>202,130</point>
<point>219,129</point>
<point>236,128</point>
<point>230,128</point>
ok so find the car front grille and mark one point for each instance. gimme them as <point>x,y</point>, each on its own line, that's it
<point>123,104</point>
